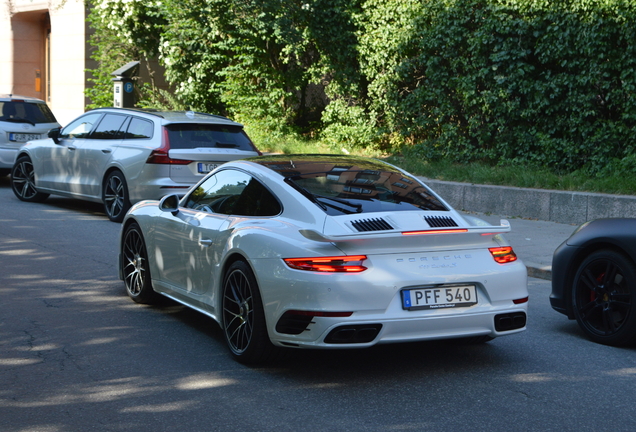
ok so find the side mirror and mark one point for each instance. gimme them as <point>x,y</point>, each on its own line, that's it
<point>55,135</point>
<point>169,203</point>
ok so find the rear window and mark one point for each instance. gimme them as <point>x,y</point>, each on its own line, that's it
<point>192,135</point>
<point>346,184</point>
<point>26,112</point>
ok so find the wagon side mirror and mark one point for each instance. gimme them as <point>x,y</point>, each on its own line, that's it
<point>55,135</point>
<point>170,203</point>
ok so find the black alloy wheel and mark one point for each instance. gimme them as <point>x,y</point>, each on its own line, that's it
<point>23,181</point>
<point>135,266</point>
<point>243,317</point>
<point>115,196</point>
<point>604,298</point>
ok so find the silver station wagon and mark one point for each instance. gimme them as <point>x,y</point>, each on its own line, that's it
<point>120,156</point>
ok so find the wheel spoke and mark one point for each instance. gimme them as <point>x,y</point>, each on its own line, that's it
<point>609,325</point>
<point>588,309</point>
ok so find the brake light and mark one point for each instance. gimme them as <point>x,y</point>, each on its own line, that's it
<point>338,264</point>
<point>160,155</point>
<point>503,255</point>
<point>440,231</point>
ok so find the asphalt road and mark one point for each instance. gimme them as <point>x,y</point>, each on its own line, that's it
<point>77,355</point>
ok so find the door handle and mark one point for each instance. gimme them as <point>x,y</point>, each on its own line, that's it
<point>71,148</point>
<point>107,151</point>
<point>205,242</point>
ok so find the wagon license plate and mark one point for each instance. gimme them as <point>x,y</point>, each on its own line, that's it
<point>439,297</point>
<point>205,168</point>
<point>23,137</point>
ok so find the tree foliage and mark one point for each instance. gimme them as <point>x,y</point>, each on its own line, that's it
<point>533,82</point>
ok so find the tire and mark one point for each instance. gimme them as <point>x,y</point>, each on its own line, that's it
<point>135,266</point>
<point>115,196</point>
<point>604,298</point>
<point>243,320</point>
<point>23,181</point>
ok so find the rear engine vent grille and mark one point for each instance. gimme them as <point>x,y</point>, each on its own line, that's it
<point>440,221</point>
<point>376,224</point>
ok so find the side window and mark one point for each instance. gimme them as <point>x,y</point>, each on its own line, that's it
<point>233,193</point>
<point>80,127</point>
<point>139,129</point>
<point>109,127</point>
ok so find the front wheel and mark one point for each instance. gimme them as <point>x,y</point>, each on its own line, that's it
<point>135,266</point>
<point>23,181</point>
<point>115,196</point>
<point>243,316</point>
<point>604,298</point>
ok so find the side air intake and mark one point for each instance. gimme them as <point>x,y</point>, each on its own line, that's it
<point>440,221</point>
<point>376,224</point>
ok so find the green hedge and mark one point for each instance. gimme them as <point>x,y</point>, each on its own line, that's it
<point>533,82</point>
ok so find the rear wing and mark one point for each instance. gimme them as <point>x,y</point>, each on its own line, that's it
<point>487,230</point>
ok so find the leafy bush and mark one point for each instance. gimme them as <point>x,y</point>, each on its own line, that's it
<point>509,82</point>
<point>533,82</point>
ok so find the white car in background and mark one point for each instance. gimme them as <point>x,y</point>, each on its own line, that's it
<point>323,251</point>
<point>22,119</point>
<point>119,156</point>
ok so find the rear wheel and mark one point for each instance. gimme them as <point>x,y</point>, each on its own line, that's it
<point>243,316</point>
<point>115,196</point>
<point>135,266</point>
<point>23,181</point>
<point>604,298</point>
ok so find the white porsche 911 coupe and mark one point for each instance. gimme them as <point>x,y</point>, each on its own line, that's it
<point>323,251</point>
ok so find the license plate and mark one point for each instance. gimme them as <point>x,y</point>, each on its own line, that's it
<point>439,297</point>
<point>205,168</point>
<point>23,137</point>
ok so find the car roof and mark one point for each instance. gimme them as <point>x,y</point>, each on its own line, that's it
<point>174,116</point>
<point>300,164</point>
<point>18,98</point>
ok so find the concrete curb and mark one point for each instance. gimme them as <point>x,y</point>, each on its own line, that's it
<point>547,205</point>
<point>539,271</point>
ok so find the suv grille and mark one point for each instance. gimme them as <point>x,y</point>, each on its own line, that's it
<point>377,224</point>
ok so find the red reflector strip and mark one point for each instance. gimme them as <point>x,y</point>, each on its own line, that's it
<point>445,231</point>
<point>521,300</point>
<point>339,264</point>
<point>503,255</point>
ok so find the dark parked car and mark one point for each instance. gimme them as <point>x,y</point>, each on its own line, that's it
<point>594,280</point>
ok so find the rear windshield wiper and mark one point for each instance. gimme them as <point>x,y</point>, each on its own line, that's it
<point>226,145</point>
<point>17,120</point>
<point>323,205</point>
<point>305,193</point>
<point>358,207</point>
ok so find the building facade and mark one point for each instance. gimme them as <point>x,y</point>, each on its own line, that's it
<point>44,53</point>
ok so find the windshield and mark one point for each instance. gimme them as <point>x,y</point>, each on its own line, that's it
<point>346,185</point>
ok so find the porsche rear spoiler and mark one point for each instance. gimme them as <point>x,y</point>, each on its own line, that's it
<point>487,230</point>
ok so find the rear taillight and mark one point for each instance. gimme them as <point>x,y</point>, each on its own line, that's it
<point>160,155</point>
<point>503,255</point>
<point>339,264</point>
